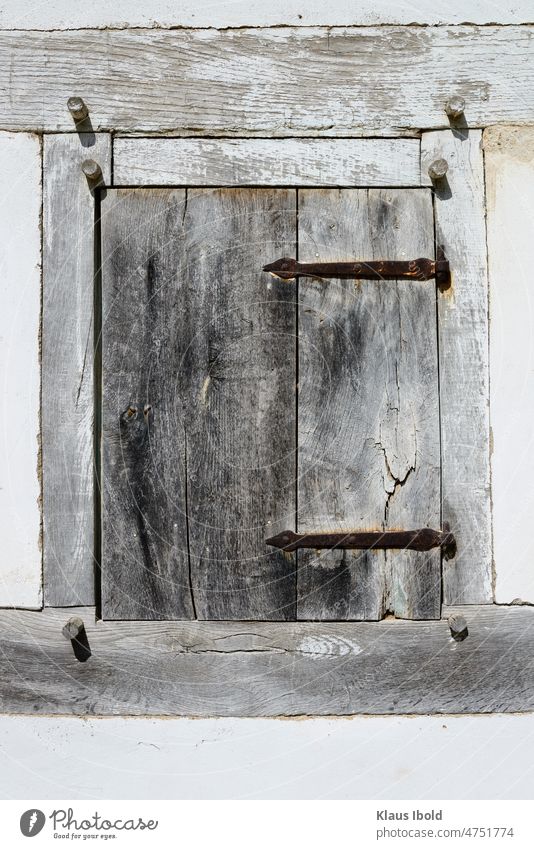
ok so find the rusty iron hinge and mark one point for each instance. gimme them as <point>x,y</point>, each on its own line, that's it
<point>420,540</point>
<point>413,269</point>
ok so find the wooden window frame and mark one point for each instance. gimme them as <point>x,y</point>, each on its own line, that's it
<point>261,668</point>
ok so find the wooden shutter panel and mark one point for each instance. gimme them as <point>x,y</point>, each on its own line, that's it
<point>191,328</point>
<point>200,414</point>
<point>368,409</point>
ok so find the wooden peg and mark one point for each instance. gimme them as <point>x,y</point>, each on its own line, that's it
<point>74,631</point>
<point>455,106</point>
<point>458,625</point>
<point>92,170</point>
<point>437,169</point>
<point>77,108</point>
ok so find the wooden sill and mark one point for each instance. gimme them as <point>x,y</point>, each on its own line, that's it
<point>268,668</point>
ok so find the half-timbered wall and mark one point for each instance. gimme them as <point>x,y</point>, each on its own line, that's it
<point>288,74</point>
<point>354,80</point>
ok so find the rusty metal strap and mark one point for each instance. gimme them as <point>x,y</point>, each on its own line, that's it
<point>419,540</point>
<point>413,269</point>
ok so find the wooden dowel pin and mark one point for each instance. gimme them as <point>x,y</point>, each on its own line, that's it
<point>92,171</point>
<point>458,625</point>
<point>437,169</point>
<point>74,631</point>
<point>77,108</point>
<point>455,106</point>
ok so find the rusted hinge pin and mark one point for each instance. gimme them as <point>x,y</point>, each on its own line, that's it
<point>420,540</point>
<point>414,269</point>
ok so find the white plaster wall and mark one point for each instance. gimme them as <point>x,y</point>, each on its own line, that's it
<point>509,164</point>
<point>20,305</point>
<point>483,757</point>
<point>71,14</point>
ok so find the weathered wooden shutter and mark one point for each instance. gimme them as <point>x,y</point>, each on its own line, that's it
<point>208,449</point>
<point>194,330</point>
<point>368,408</point>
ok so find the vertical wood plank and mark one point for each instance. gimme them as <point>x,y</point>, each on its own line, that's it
<point>368,406</point>
<point>145,561</point>
<point>20,307</point>
<point>67,366</point>
<point>195,329</point>
<point>463,356</point>
<point>241,431</point>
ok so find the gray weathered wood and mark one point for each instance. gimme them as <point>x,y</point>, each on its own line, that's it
<point>464,372</point>
<point>67,366</point>
<point>241,405</point>
<point>368,410</point>
<point>194,330</point>
<point>271,162</point>
<point>145,560</point>
<point>269,669</point>
<point>291,81</point>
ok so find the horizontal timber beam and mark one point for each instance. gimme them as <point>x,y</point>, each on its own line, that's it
<point>268,669</point>
<point>266,162</point>
<point>276,81</point>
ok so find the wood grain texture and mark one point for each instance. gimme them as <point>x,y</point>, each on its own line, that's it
<point>464,373</point>
<point>369,456</point>
<point>67,366</point>
<point>194,330</point>
<point>279,82</point>
<point>145,559</point>
<point>269,669</point>
<point>241,367</point>
<point>20,309</point>
<point>271,162</point>
<point>122,14</point>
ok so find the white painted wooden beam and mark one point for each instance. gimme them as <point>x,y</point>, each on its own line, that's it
<point>509,153</point>
<point>330,81</point>
<point>64,14</point>
<point>269,162</point>
<point>20,304</point>
<point>463,361</point>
